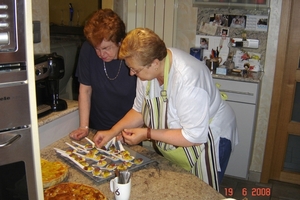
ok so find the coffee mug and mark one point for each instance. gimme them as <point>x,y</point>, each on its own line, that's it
<point>121,191</point>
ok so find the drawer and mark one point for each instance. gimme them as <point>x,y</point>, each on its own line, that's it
<point>239,91</point>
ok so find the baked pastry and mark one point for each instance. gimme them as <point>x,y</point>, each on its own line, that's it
<point>122,166</point>
<point>138,161</point>
<point>53,172</point>
<point>96,171</point>
<point>111,166</point>
<point>102,163</point>
<point>74,191</point>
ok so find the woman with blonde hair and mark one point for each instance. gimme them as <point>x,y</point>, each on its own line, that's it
<point>180,106</point>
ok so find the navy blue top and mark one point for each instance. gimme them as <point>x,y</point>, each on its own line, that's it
<point>111,99</point>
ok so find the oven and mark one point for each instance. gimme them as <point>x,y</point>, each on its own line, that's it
<point>20,173</point>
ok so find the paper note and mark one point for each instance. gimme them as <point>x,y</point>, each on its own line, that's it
<point>208,28</point>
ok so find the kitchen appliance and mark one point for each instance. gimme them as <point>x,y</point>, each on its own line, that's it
<point>20,172</point>
<point>41,68</point>
<point>56,72</point>
<point>49,69</point>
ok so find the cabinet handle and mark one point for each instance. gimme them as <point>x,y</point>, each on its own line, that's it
<point>236,92</point>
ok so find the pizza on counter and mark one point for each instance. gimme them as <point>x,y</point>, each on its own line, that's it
<point>74,191</point>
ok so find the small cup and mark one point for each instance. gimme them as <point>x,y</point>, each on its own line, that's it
<point>213,63</point>
<point>121,191</point>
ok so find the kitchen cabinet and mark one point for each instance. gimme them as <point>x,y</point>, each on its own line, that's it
<point>243,98</point>
<point>249,4</point>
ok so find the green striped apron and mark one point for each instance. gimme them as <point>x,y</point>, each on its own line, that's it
<point>199,160</point>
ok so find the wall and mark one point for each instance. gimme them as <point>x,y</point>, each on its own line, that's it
<point>40,12</point>
<point>267,86</point>
<point>186,25</point>
<point>108,4</point>
<point>59,11</point>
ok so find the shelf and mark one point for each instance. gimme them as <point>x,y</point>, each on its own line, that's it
<point>246,4</point>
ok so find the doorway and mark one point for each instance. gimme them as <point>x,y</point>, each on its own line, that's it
<point>281,160</point>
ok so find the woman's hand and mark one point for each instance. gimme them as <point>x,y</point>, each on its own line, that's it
<point>79,133</point>
<point>102,137</point>
<point>134,136</point>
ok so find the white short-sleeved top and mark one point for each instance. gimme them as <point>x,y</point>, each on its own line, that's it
<point>195,103</point>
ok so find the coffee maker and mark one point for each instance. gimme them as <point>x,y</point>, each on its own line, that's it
<point>49,69</point>
<point>57,72</point>
<point>41,68</point>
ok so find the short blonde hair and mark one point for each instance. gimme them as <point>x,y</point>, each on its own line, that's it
<point>143,45</point>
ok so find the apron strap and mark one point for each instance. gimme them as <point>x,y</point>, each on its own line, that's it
<point>163,93</point>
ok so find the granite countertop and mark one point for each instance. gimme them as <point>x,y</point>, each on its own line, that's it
<point>72,106</point>
<point>254,77</point>
<point>157,180</point>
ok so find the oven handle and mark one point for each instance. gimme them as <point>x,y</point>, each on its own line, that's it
<point>10,140</point>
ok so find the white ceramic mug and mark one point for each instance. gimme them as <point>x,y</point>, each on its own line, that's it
<point>121,191</point>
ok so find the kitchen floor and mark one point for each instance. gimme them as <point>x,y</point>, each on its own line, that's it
<point>274,190</point>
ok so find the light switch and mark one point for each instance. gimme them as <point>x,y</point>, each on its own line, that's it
<point>36,31</point>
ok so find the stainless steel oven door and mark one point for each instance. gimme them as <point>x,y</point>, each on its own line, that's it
<point>14,105</point>
<point>16,165</point>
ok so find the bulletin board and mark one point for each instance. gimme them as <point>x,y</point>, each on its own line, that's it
<point>214,42</point>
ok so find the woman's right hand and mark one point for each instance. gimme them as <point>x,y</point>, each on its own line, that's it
<point>102,137</point>
<point>79,133</point>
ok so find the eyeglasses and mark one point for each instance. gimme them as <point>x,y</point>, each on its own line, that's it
<point>105,49</point>
<point>137,71</point>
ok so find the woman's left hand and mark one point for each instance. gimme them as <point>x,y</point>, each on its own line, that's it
<point>134,136</point>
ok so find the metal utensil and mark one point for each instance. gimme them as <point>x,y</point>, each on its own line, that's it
<point>124,177</point>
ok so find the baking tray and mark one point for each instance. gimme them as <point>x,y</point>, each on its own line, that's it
<point>134,167</point>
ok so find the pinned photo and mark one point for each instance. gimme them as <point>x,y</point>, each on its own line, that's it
<point>219,20</point>
<point>204,43</point>
<point>237,21</point>
<point>224,32</point>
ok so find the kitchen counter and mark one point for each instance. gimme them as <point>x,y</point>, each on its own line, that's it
<point>254,77</point>
<point>72,107</point>
<point>57,125</point>
<point>157,180</point>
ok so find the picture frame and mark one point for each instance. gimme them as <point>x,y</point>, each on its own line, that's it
<point>224,32</point>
